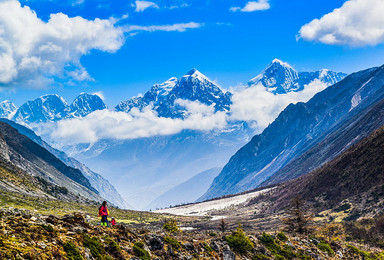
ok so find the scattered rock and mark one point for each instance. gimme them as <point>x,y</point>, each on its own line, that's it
<point>214,246</point>
<point>52,220</point>
<point>228,254</point>
<point>189,246</point>
<point>170,252</point>
<point>156,243</point>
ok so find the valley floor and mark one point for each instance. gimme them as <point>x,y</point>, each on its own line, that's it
<point>48,229</point>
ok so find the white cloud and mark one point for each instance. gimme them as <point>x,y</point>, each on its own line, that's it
<point>259,107</point>
<point>254,105</point>
<point>142,5</point>
<point>356,23</point>
<point>33,51</point>
<point>178,27</point>
<point>77,2</point>
<point>104,124</point>
<point>253,6</point>
<point>183,5</point>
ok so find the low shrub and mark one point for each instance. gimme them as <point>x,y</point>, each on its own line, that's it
<point>112,247</point>
<point>172,242</point>
<point>48,228</point>
<point>72,252</point>
<point>260,257</point>
<point>95,246</point>
<point>140,252</point>
<point>239,242</point>
<point>323,246</point>
<point>282,237</point>
<point>207,247</point>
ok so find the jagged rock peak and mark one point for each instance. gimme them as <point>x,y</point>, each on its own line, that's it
<point>50,98</point>
<point>195,74</point>
<point>281,63</point>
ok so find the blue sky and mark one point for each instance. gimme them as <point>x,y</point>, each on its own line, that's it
<point>228,46</point>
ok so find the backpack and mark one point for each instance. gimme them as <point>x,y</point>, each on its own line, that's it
<point>103,211</point>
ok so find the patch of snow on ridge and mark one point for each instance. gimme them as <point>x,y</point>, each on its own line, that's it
<point>204,208</point>
<point>356,99</point>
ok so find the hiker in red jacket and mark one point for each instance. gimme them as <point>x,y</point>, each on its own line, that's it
<point>103,213</point>
<point>113,222</point>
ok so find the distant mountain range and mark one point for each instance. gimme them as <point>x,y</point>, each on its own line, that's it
<point>53,107</point>
<point>278,78</point>
<point>147,168</point>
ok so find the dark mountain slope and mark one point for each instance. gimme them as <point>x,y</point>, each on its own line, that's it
<point>105,189</point>
<point>35,153</point>
<point>335,142</point>
<point>295,131</point>
<point>356,175</point>
<point>28,157</point>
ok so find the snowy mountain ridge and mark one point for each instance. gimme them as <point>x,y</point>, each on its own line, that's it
<point>52,107</point>
<point>280,78</point>
<point>193,86</point>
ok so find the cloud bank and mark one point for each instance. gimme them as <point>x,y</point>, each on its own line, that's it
<point>357,23</point>
<point>253,6</point>
<point>107,124</point>
<point>33,51</point>
<point>260,107</point>
<point>254,105</point>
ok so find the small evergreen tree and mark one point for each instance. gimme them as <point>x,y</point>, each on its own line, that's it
<point>298,218</point>
<point>239,242</point>
<point>222,225</point>
<point>171,225</point>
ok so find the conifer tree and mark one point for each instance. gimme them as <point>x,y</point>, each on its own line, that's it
<point>298,218</point>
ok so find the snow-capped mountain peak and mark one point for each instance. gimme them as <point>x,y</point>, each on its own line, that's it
<point>280,78</point>
<point>49,107</point>
<point>85,104</point>
<point>281,63</point>
<point>7,108</point>
<point>195,76</point>
<point>324,72</point>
